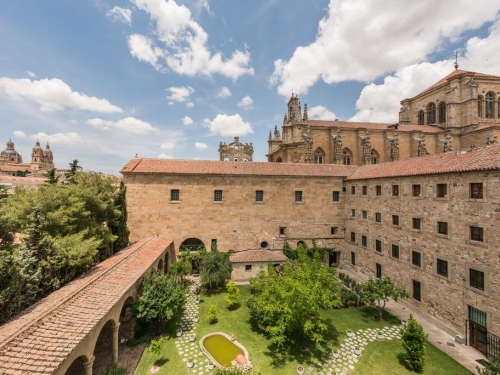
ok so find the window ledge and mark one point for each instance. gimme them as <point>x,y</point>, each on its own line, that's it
<point>416,230</point>
<point>218,202</point>
<point>471,288</point>
<point>175,202</point>
<point>258,202</point>
<point>477,243</point>
<point>379,253</point>
<point>444,236</point>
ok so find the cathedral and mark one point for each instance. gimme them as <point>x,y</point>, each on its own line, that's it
<point>11,161</point>
<point>461,111</point>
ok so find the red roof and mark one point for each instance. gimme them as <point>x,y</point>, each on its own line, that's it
<point>248,256</point>
<point>479,159</point>
<point>38,340</point>
<point>206,167</point>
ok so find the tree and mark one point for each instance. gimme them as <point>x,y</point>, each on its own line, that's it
<point>233,294</point>
<point>215,269</point>
<point>73,169</point>
<point>161,299</point>
<point>119,227</point>
<point>212,314</point>
<point>492,368</point>
<point>287,305</point>
<point>413,339</point>
<point>51,176</point>
<point>381,291</point>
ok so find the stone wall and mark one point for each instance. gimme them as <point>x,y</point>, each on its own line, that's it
<point>446,298</point>
<point>240,273</point>
<point>238,222</point>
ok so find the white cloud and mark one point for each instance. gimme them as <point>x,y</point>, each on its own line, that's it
<point>180,94</point>
<point>203,4</point>
<point>120,14</point>
<point>393,34</point>
<point>143,49</point>
<point>68,139</point>
<point>187,120</point>
<point>190,105</point>
<point>228,126</point>
<point>175,138</point>
<point>128,124</point>
<point>200,146</point>
<point>321,113</point>
<point>380,103</point>
<point>185,44</point>
<point>31,74</point>
<point>165,156</point>
<point>54,95</point>
<point>246,103</point>
<point>19,134</point>
<point>223,93</point>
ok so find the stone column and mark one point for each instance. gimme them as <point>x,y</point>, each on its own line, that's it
<point>115,328</point>
<point>87,365</point>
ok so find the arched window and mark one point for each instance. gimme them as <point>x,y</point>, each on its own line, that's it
<point>319,155</point>
<point>498,106</point>
<point>490,104</point>
<point>480,106</point>
<point>431,113</point>
<point>442,112</point>
<point>375,157</point>
<point>346,156</point>
<point>421,117</point>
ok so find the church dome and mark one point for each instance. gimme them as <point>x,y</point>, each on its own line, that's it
<point>10,149</point>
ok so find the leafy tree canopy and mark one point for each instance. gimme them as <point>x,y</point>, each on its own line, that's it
<point>288,304</point>
<point>215,269</point>
<point>380,291</point>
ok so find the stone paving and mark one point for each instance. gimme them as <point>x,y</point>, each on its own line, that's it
<point>352,347</point>
<point>190,350</point>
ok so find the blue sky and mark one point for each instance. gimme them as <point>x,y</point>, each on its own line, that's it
<point>102,80</point>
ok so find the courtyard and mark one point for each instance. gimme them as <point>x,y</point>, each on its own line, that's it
<point>376,355</point>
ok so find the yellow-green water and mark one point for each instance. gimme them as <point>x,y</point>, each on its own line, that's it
<point>222,349</point>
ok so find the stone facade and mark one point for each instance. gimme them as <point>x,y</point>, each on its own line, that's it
<point>235,151</point>
<point>445,297</point>
<point>11,162</point>
<point>461,111</point>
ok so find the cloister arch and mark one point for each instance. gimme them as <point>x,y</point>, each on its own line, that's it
<point>193,245</point>
<point>78,367</point>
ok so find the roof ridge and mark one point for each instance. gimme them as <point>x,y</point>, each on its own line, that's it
<point>24,328</point>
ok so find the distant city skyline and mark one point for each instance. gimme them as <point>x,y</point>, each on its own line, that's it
<point>103,80</point>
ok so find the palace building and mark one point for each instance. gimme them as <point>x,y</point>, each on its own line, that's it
<point>417,201</point>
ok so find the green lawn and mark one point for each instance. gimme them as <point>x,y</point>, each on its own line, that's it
<point>378,357</point>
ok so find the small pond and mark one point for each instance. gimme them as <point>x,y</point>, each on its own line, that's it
<point>220,349</point>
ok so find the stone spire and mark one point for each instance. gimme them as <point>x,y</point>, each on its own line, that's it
<point>306,116</point>
<point>276,132</point>
<point>270,135</point>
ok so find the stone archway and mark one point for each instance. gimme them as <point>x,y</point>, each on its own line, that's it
<point>103,349</point>
<point>79,366</point>
<point>193,245</point>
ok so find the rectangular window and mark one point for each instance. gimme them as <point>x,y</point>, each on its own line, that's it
<point>353,212</point>
<point>353,237</point>
<point>442,267</point>
<point>378,217</point>
<point>353,190</point>
<point>442,227</point>
<point>298,196</point>
<point>395,190</point>
<point>417,290</point>
<point>282,231</point>
<point>416,258</point>
<point>476,190</point>
<point>334,230</point>
<point>378,190</point>
<point>441,190</point>
<point>335,196</point>
<point>378,271</point>
<point>395,251</point>
<point>476,279</point>
<point>378,246</point>
<point>248,267</point>
<point>174,195</point>
<point>395,219</point>
<point>416,190</point>
<point>259,195</point>
<point>218,195</point>
<point>364,190</point>
<point>417,223</point>
<point>353,258</point>
<point>476,234</point>
<point>364,214</point>
<point>364,241</point>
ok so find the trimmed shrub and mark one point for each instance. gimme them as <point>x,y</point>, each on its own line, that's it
<point>413,338</point>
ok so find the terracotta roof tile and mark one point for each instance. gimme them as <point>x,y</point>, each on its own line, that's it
<point>209,167</point>
<point>479,159</point>
<point>247,256</point>
<point>49,330</point>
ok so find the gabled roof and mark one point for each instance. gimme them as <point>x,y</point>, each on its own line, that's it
<point>210,167</point>
<point>454,74</point>
<point>248,256</point>
<point>479,159</point>
<point>39,339</point>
